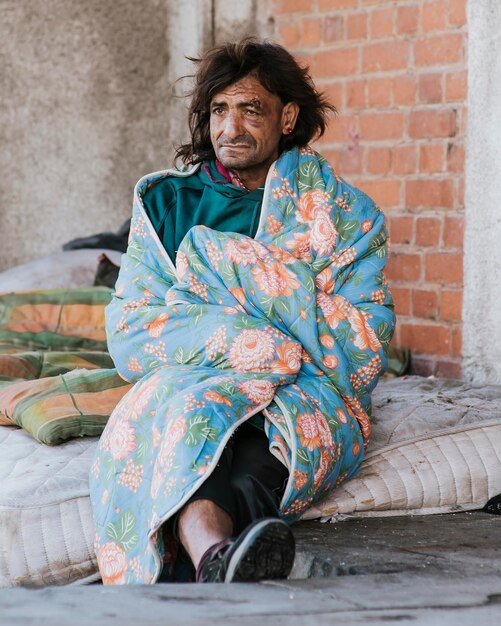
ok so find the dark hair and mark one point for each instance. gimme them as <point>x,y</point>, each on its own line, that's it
<point>276,70</point>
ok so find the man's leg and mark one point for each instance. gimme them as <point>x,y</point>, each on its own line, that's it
<point>201,525</point>
<point>245,488</point>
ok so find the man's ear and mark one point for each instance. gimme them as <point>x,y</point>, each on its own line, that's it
<point>289,117</point>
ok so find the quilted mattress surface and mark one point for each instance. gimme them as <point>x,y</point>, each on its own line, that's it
<point>46,525</point>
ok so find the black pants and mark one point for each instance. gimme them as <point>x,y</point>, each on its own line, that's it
<point>248,482</point>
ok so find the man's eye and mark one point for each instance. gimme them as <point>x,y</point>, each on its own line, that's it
<point>217,111</point>
<point>252,113</point>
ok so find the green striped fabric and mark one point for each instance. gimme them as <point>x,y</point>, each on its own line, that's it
<point>57,380</point>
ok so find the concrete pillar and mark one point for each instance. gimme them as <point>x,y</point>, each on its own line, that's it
<point>482,291</point>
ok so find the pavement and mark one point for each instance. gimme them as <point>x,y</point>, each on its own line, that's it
<point>419,570</point>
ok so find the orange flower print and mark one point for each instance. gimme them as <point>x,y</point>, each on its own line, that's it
<point>239,294</point>
<point>330,361</point>
<point>281,255</point>
<point>366,337</point>
<point>322,469</point>
<point>340,414</point>
<point>327,341</point>
<point>122,440</point>
<point>324,281</point>
<point>275,279</point>
<point>214,396</point>
<point>300,246</point>
<point>258,391</point>
<point>112,563</point>
<point>300,479</point>
<point>308,432</point>
<point>155,327</point>
<point>334,309</point>
<point>289,358</point>
<point>323,234</point>
<point>324,430</point>
<point>366,226</point>
<point>274,226</point>
<point>244,251</point>
<point>181,265</point>
<point>250,349</point>
<point>310,203</point>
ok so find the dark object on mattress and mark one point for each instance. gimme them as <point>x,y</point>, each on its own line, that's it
<point>106,273</point>
<point>111,241</point>
<point>494,505</point>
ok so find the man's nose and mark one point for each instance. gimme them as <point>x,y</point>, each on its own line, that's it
<point>233,125</point>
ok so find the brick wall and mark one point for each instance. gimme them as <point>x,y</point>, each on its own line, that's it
<point>397,73</point>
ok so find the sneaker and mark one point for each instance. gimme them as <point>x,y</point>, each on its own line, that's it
<point>263,551</point>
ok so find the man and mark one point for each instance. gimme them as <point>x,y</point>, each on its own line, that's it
<point>255,353</point>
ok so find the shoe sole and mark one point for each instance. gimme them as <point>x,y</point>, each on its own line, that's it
<point>266,552</point>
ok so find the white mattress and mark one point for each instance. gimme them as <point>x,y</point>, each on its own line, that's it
<point>46,524</point>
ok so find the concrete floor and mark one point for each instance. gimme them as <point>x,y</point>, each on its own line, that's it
<point>442,569</point>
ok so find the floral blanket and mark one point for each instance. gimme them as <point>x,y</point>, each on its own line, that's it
<point>294,324</point>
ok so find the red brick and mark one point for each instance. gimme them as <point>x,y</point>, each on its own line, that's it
<point>401,229</point>
<point>380,57</point>
<point>404,160</point>
<point>455,157</point>
<point>428,231</point>
<point>451,307</point>
<point>311,32</point>
<point>454,232</point>
<point>448,369</point>
<point>340,62</point>
<point>355,94</point>
<point>289,34</point>
<point>439,50</point>
<point>385,192</point>
<point>457,341</point>
<point>351,159</point>
<point>424,304</point>
<point>457,12</point>
<point>430,88</point>
<point>428,193</point>
<point>422,366</point>
<point>434,15</point>
<point>443,267</point>
<point>404,90</point>
<point>456,87</point>
<point>404,267</point>
<point>379,161</point>
<point>459,201</point>
<point>332,5</point>
<point>334,28</point>
<point>381,23</point>
<point>431,123</point>
<point>379,92</point>
<point>334,93</point>
<point>431,158</point>
<point>387,125</point>
<point>342,129</point>
<point>334,158</point>
<point>426,338</point>
<point>356,26</point>
<point>407,20</point>
<point>402,299</point>
<point>292,6</point>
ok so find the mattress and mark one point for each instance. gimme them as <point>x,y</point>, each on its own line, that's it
<point>47,529</point>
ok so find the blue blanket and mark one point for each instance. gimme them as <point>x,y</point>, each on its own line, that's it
<point>294,323</point>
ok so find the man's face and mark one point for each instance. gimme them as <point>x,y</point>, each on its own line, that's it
<point>246,124</point>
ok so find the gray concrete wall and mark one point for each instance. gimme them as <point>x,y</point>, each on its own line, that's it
<point>482,293</point>
<point>87,107</point>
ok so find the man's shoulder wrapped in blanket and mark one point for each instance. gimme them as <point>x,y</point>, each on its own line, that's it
<point>295,323</point>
